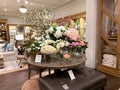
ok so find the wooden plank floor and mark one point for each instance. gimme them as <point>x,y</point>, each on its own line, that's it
<point>13,81</point>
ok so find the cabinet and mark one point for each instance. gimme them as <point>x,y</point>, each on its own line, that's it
<point>3,31</point>
<point>109,37</point>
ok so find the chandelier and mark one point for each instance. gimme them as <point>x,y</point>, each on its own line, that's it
<point>23,9</point>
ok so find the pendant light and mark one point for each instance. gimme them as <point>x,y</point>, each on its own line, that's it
<point>22,8</point>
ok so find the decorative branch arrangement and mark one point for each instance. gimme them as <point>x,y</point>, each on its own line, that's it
<point>41,18</point>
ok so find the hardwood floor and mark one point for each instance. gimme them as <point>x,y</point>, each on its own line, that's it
<point>13,81</point>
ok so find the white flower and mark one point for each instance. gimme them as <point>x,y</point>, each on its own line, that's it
<point>51,29</point>
<point>58,28</point>
<point>48,49</point>
<point>58,34</point>
<point>33,45</point>
<point>47,36</point>
<point>38,48</point>
<point>29,49</point>
<point>32,36</point>
<point>62,44</point>
<point>58,47</point>
<point>63,28</point>
<point>49,41</point>
<point>67,43</point>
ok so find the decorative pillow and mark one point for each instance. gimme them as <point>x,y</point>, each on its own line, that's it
<point>10,47</point>
<point>1,47</point>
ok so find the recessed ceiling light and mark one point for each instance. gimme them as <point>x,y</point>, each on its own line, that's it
<point>31,3</point>
<point>18,1</point>
<point>26,2</point>
<point>5,9</point>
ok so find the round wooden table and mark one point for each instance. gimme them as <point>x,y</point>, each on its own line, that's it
<point>54,64</point>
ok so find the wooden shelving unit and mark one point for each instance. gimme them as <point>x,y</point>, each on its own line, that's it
<point>3,30</point>
<point>106,40</point>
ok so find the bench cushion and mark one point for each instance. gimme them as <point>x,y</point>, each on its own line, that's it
<point>86,79</point>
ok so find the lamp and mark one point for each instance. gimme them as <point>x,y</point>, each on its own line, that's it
<point>23,9</point>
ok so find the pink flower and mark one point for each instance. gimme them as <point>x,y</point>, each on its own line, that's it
<point>81,43</point>
<point>73,34</point>
<point>74,44</point>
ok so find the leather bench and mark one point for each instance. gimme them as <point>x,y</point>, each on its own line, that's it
<point>86,79</point>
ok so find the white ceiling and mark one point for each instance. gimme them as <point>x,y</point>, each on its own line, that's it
<point>12,6</point>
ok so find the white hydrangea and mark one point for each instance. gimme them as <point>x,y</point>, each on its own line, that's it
<point>66,43</point>
<point>48,49</point>
<point>51,29</point>
<point>58,34</point>
<point>48,41</point>
<point>58,47</point>
<point>62,44</point>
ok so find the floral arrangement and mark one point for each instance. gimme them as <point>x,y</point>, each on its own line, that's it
<point>59,38</point>
<point>35,47</point>
<point>65,38</point>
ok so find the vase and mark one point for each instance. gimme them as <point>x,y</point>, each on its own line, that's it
<point>47,58</point>
<point>75,54</point>
<point>32,56</point>
<point>113,32</point>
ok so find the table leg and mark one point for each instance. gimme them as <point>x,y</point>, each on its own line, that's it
<point>29,71</point>
<point>57,70</point>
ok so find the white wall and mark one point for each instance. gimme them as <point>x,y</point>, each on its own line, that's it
<point>12,20</point>
<point>91,32</point>
<point>73,7</point>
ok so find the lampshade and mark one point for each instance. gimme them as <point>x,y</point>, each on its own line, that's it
<point>23,9</point>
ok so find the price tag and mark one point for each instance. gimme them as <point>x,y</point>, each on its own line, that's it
<point>65,86</point>
<point>38,58</point>
<point>71,74</point>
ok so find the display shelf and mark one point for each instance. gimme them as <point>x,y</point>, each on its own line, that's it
<point>109,52</point>
<point>109,38</point>
<point>3,31</point>
<point>109,18</point>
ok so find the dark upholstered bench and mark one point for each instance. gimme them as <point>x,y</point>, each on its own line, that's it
<point>86,79</point>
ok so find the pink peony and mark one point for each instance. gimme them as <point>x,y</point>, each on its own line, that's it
<point>74,44</point>
<point>73,34</point>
